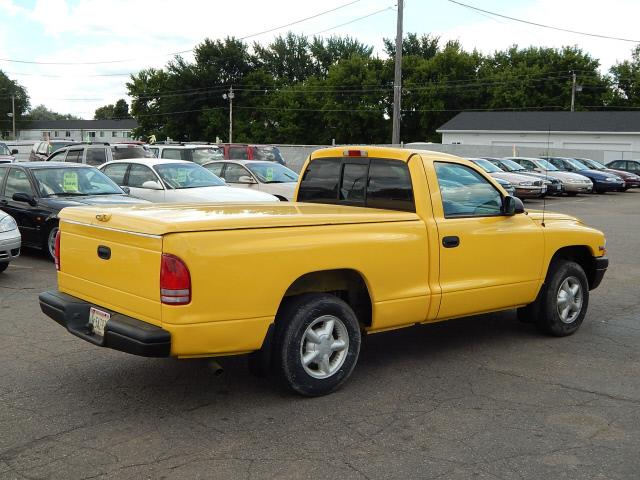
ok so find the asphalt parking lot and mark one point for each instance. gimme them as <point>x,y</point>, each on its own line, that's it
<point>480,398</point>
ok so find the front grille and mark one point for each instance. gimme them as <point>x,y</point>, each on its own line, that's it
<point>4,255</point>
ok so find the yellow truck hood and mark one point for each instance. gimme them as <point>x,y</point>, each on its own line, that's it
<point>538,215</point>
<point>160,219</point>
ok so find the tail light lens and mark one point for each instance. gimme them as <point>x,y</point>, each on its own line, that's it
<point>56,250</point>
<point>175,281</point>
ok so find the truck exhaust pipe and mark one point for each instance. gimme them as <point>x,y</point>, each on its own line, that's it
<point>216,368</point>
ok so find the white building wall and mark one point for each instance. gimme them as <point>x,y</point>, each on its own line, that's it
<point>78,135</point>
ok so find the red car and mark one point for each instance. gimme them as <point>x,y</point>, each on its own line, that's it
<point>630,179</point>
<point>238,151</point>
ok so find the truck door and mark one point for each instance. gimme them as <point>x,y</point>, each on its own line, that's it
<point>488,260</point>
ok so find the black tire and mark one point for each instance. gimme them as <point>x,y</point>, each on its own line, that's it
<point>545,311</point>
<point>572,194</point>
<point>295,318</point>
<point>51,231</point>
<point>3,266</point>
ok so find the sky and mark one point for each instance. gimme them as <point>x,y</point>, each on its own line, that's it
<point>137,34</point>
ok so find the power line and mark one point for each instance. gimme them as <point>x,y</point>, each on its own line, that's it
<point>542,25</point>
<point>103,62</point>
<point>354,20</point>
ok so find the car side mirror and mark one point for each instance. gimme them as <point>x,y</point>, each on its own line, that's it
<point>152,185</point>
<point>14,151</point>
<point>24,197</point>
<point>246,179</point>
<point>512,206</point>
<point>126,190</point>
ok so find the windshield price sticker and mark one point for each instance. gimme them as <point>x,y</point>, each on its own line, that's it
<point>70,182</point>
<point>269,174</point>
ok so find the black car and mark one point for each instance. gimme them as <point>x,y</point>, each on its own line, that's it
<point>602,182</point>
<point>34,193</point>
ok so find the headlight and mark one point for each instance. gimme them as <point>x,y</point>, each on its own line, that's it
<point>526,184</point>
<point>612,179</point>
<point>7,224</point>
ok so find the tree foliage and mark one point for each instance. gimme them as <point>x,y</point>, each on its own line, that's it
<point>305,90</point>
<point>118,111</point>
<point>41,112</point>
<point>9,88</point>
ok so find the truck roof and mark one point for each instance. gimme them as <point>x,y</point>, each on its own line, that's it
<point>364,151</point>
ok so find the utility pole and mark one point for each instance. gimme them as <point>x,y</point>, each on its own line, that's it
<point>13,115</point>
<point>229,96</point>
<point>397,80</point>
<point>573,92</point>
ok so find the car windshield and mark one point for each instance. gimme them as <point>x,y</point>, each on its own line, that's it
<point>576,164</point>
<point>187,175</point>
<point>486,165</point>
<point>65,181</point>
<point>592,164</point>
<point>546,165</point>
<point>269,172</point>
<point>271,154</point>
<point>203,155</point>
<point>130,151</point>
<point>511,166</point>
<point>4,150</point>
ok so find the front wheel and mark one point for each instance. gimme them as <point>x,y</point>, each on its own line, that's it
<point>3,266</point>
<point>317,343</point>
<point>564,299</point>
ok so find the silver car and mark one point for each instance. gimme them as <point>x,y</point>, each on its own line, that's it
<point>9,240</point>
<point>573,183</point>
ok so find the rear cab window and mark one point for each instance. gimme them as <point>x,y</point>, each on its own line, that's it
<point>367,182</point>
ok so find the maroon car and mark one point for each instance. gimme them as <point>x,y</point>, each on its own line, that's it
<point>630,179</point>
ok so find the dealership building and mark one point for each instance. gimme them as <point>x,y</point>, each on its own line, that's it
<point>111,131</point>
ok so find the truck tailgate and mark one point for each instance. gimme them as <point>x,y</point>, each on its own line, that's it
<point>127,282</point>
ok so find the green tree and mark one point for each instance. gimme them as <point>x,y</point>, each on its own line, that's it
<point>104,113</point>
<point>41,112</point>
<point>9,88</point>
<point>626,81</point>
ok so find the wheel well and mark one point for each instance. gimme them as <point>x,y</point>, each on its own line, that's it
<point>581,255</point>
<point>346,284</point>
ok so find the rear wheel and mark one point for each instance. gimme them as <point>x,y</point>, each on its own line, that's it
<point>317,343</point>
<point>572,194</point>
<point>3,266</point>
<point>50,242</point>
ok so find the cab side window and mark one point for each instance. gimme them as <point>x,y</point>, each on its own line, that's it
<point>466,193</point>
<point>17,182</point>
<point>390,186</point>
<point>320,181</point>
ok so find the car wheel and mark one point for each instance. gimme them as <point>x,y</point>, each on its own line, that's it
<point>317,343</point>
<point>572,194</point>
<point>562,304</point>
<point>3,266</point>
<point>50,243</point>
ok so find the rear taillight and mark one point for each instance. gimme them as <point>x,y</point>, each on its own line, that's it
<point>175,281</point>
<point>56,250</point>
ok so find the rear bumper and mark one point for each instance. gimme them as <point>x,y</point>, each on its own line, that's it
<point>600,265</point>
<point>9,246</point>
<point>121,332</point>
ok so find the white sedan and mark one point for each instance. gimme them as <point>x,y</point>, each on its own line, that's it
<point>175,181</point>
<point>270,177</point>
<point>10,240</point>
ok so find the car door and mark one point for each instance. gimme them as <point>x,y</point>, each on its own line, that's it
<point>488,261</point>
<point>26,216</point>
<point>136,178</point>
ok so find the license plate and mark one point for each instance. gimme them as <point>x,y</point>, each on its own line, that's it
<point>98,320</point>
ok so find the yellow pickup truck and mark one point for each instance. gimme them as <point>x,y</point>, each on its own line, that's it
<point>379,239</point>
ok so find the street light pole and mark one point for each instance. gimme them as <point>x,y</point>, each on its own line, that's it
<point>13,115</point>
<point>229,96</point>
<point>397,81</point>
<point>573,92</point>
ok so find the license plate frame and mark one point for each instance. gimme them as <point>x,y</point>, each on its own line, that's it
<point>98,320</point>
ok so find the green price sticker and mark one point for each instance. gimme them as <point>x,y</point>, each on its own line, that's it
<point>269,174</point>
<point>70,182</point>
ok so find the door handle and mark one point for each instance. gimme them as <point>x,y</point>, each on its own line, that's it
<point>450,242</point>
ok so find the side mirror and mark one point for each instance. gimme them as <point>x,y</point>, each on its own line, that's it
<point>512,206</point>
<point>14,151</point>
<point>246,179</point>
<point>126,190</point>
<point>24,197</point>
<point>152,185</point>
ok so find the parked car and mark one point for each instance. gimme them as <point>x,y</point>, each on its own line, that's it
<point>267,177</point>
<point>526,187</point>
<point>235,151</point>
<point>573,183</point>
<point>43,149</point>
<point>508,186</point>
<point>602,182</point>
<point>200,153</point>
<point>9,240</point>
<point>33,193</point>
<point>23,148</point>
<point>98,153</point>
<point>554,186</point>
<point>631,166</point>
<point>299,284</point>
<point>174,181</point>
<point>7,155</point>
<point>630,179</point>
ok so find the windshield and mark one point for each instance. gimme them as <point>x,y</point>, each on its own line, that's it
<point>203,155</point>
<point>272,172</point>
<point>187,175</point>
<point>592,164</point>
<point>486,165</point>
<point>576,164</point>
<point>74,181</point>
<point>267,153</point>
<point>125,153</point>
<point>4,150</point>
<point>546,165</point>
<point>511,166</point>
